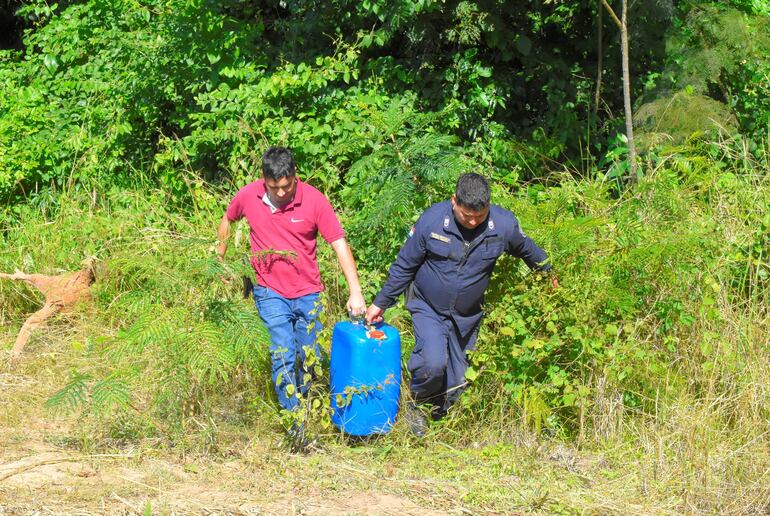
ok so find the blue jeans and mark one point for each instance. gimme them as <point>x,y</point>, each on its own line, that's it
<point>293,325</point>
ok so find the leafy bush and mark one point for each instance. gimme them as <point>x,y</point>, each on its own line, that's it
<point>97,84</point>
<point>291,105</point>
<point>723,53</point>
<point>641,277</point>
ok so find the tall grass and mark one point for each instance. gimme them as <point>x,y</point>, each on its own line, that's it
<point>672,283</point>
<point>653,354</point>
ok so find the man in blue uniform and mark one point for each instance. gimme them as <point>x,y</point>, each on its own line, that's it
<point>448,260</point>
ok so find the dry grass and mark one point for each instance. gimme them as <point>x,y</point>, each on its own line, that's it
<point>698,454</point>
<point>705,448</point>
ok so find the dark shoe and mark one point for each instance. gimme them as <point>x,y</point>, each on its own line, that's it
<point>438,413</point>
<point>299,441</point>
<point>417,421</point>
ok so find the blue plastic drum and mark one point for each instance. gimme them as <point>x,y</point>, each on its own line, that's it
<point>365,375</point>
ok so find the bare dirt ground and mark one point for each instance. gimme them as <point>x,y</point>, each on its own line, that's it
<point>37,477</point>
<point>43,472</point>
<point>52,465</point>
<point>54,482</point>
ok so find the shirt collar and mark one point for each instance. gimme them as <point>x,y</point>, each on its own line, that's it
<point>268,202</point>
<point>450,223</point>
<point>262,192</point>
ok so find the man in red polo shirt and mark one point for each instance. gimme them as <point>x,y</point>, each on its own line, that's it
<point>285,216</point>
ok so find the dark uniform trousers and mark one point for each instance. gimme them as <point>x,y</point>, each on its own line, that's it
<point>438,361</point>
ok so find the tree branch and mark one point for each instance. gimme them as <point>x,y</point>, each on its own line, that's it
<point>613,15</point>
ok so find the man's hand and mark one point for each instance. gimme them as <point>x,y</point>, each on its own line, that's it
<point>221,250</point>
<point>356,304</point>
<point>373,314</point>
<point>554,282</point>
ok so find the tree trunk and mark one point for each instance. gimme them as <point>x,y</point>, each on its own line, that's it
<point>627,92</point>
<point>599,63</point>
<point>623,26</point>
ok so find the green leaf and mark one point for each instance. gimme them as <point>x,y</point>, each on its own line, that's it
<point>50,63</point>
<point>534,344</point>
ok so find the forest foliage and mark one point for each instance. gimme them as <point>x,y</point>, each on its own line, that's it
<point>171,91</point>
<point>127,124</point>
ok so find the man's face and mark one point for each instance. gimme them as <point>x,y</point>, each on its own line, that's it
<point>281,191</point>
<point>466,217</point>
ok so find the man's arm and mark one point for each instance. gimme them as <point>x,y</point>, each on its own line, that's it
<point>401,273</point>
<point>356,304</point>
<point>522,246</point>
<point>223,232</point>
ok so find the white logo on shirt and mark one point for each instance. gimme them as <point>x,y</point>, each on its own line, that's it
<point>297,220</point>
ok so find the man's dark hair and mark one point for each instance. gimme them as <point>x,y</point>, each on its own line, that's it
<point>472,192</point>
<point>277,163</point>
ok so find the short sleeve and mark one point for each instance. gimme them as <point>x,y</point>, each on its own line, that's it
<point>235,209</point>
<point>328,224</point>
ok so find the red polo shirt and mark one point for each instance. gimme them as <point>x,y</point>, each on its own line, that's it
<point>283,240</point>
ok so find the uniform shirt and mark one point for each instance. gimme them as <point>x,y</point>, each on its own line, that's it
<point>283,240</point>
<point>451,275</point>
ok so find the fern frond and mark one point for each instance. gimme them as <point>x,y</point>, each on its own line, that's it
<point>395,199</point>
<point>395,117</point>
<point>72,396</point>
<point>428,145</point>
<point>109,394</point>
<point>444,167</point>
<point>149,329</point>
<point>366,164</point>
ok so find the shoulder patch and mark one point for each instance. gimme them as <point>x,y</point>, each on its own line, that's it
<point>442,238</point>
<point>411,232</point>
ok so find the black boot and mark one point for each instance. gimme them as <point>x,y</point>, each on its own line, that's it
<point>299,441</point>
<point>416,419</point>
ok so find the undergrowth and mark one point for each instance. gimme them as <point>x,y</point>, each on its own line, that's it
<point>653,350</point>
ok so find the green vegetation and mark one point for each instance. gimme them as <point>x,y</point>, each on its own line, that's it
<point>125,127</point>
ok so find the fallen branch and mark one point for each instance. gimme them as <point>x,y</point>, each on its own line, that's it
<point>62,293</point>
<point>58,461</point>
